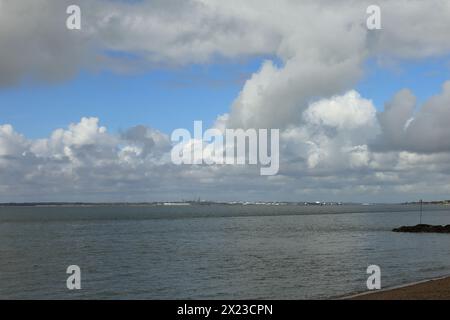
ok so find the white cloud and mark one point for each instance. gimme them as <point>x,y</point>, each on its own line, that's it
<point>347,112</point>
<point>425,130</point>
<point>11,143</point>
<point>333,143</point>
<point>326,155</point>
<point>307,36</point>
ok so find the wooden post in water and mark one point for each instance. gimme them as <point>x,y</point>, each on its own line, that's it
<point>421,210</point>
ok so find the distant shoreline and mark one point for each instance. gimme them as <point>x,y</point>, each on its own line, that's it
<point>181,203</point>
<point>170,203</point>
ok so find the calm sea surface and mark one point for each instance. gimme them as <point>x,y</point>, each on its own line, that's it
<point>214,251</point>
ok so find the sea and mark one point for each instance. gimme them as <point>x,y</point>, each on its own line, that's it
<point>215,251</point>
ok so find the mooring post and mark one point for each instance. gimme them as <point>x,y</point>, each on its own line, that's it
<point>421,209</point>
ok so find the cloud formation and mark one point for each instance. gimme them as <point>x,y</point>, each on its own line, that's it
<point>334,143</point>
<point>329,156</point>
<point>422,131</point>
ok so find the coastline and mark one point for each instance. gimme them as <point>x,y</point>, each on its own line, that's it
<point>429,289</point>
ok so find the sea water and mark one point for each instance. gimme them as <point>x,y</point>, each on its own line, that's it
<point>215,251</point>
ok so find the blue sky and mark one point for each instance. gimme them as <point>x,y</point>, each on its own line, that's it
<point>338,149</point>
<point>169,99</point>
<point>423,77</point>
<point>161,99</point>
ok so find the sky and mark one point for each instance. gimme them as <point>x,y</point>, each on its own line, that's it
<point>86,115</point>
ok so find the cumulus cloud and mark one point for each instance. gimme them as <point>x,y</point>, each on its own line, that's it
<point>333,135</point>
<point>347,112</point>
<point>318,47</point>
<point>328,155</point>
<point>423,131</point>
<point>36,45</point>
<point>333,142</point>
<point>11,143</point>
<point>82,159</point>
<point>396,118</point>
